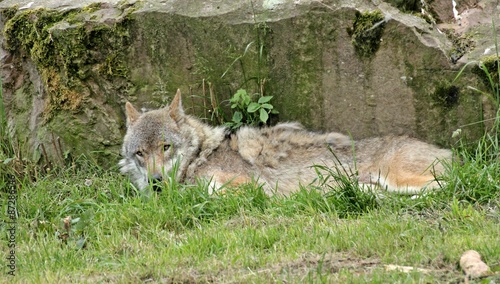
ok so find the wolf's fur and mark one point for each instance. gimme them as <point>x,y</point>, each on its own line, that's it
<point>281,157</point>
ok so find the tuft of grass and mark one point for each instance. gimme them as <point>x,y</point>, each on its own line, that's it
<point>337,192</point>
<point>473,175</point>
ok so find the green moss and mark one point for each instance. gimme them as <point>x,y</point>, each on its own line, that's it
<point>67,48</point>
<point>366,31</point>
<point>114,66</point>
<point>461,45</point>
<point>8,13</point>
<point>488,70</point>
<point>441,107</point>
<point>91,8</point>
<point>446,95</point>
<point>20,104</point>
<point>313,35</point>
<point>406,5</point>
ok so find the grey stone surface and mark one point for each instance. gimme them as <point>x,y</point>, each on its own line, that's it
<point>307,58</point>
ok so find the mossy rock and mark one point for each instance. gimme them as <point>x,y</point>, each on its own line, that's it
<point>67,48</point>
<point>488,70</point>
<point>366,31</point>
<point>79,56</point>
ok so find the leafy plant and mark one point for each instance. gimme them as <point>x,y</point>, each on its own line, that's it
<point>249,112</point>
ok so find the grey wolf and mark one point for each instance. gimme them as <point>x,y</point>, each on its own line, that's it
<point>279,157</point>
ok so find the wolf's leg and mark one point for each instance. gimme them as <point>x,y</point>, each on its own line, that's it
<point>221,179</point>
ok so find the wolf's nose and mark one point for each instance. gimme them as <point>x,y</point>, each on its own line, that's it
<point>156,177</point>
<point>156,181</point>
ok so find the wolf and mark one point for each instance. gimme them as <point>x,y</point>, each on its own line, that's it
<point>280,158</point>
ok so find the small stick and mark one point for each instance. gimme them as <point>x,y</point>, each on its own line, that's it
<point>45,155</point>
<point>60,148</point>
<point>204,99</point>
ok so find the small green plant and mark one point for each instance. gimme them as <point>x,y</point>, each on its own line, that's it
<point>249,112</point>
<point>71,231</point>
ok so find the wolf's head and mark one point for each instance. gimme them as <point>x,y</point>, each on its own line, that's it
<point>155,141</point>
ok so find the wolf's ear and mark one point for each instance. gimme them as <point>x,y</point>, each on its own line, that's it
<point>131,113</point>
<point>175,110</point>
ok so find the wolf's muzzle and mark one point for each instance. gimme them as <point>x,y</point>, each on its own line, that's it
<point>156,181</point>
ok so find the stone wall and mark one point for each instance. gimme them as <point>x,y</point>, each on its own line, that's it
<point>68,68</point>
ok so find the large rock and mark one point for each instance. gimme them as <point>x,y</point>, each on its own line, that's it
<point>69,66</point>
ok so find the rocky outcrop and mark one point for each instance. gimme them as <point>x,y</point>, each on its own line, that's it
<point>361,67</point>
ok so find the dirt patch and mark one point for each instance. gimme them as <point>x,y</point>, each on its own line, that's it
<point>331,263</point>
<point>307,265</point>
<point>330,266</point>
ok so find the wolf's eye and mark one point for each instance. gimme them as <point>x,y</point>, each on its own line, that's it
<point>139,153</point>
<point>166,147</point>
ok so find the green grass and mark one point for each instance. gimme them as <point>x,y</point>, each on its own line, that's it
<point>81,223</point>
<point>184,234</point>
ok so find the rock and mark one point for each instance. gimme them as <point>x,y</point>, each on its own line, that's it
<point>69,67</point>
<point>473,266</point>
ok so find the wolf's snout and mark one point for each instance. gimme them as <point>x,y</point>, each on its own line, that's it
<point>156,182</point>
<point>156,177</point>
